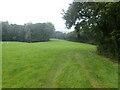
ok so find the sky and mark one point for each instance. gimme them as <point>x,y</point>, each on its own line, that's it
<point>35,11</point>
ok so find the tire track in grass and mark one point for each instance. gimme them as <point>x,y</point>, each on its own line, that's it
<point>93,82</point>
<point>54,74</point>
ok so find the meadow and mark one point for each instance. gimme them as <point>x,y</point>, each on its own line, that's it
<point>56,64</point>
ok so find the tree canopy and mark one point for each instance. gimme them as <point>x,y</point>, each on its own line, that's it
<point>100,21</point>
<point>28,32</point>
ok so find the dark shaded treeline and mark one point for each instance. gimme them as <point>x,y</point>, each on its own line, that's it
<point>38,32</point>
<point>100,21</point>
<point>27,32</point>
<point>72,36</point>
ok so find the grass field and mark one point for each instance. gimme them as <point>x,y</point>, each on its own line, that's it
<point>56,64</point>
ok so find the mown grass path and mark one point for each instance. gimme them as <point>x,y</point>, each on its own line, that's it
<point>56,64</point>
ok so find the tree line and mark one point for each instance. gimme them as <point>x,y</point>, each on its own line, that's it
<point>38,32</point>
<point>28,32</point>
<point>72,36</point>
<point>100,21</point>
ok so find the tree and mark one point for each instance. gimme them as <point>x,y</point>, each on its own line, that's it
<point>5,31</point>
<point>98,20</point>
<point>28,32</point>
<point>59,35</point>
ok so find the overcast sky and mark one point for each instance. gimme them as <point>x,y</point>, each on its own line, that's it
<point>35,11</point>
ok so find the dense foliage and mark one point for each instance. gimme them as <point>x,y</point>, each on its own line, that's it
<point>59,35</point>
<point>27,32</point>
<point>83,37</point>
<point>100,21</point>
<point>72,36</point>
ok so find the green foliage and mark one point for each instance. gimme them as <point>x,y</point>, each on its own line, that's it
<point>71,36</point>
<point>79,37</point>
<point>59,35</point>
<point>100,21</point>
<point>56,64</point>
<point>109,26</point>
<point>28,32</point>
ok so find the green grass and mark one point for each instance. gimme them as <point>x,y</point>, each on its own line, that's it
<point>56,64</point>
